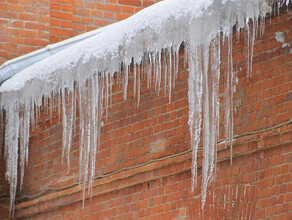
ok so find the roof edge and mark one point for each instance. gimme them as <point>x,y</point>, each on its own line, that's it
<point>16,65</point>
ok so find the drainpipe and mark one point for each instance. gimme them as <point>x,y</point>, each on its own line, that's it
<point>14,66</point>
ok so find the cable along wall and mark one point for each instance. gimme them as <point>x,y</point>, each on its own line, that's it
<point>150,42</point>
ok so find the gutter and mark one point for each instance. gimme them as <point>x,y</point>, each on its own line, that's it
<point>16,65</point>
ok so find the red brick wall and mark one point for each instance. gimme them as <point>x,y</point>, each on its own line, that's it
<point>149,146</point>
<point>24,27</point>
<point>27,25</point>
<point>144,159</point>
<point>70,18</point>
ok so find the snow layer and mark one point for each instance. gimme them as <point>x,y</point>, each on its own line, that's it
<point>151,40</point>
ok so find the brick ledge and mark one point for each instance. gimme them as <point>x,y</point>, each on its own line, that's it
<point>242,146</point>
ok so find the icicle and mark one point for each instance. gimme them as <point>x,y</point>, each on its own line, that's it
<point>195,107</point>
<point>139,82</point>
<point>37,108</point>
<point>81,146</point>
<point>186,52</point>
<point>176,65</point>
<point>70,123</point>
<point>93,144</point>
<point>51,106</point>
<point>169,73</point>
<point>126,78</point>
<point>216,68</point>
<point>99,110</point>
<point>165,70</point>
<point>64,122</point>
<point>250,38</point>
<point>1,130</point>
<point>229,96</point>
<point>237,32</point>
<point>74,107</point>
<point>59,103</point>
<point>155,71</point>
<point>119,73</point>
<point>135,76</point>
<point>148,69</point>
<point>107,85</point>
<point>206,123</point>
<point>158,80</point>
<point>214,76</point>
<point>254,28</point>
<point>23,139</point>
<point>111,88</point>
<point>11,150</point>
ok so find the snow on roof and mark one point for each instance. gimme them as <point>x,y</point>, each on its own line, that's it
<point>146,30</point>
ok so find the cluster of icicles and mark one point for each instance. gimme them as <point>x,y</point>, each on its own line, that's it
<point>203,36</point>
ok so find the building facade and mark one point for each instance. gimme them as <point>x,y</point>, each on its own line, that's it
<point>144,162</point>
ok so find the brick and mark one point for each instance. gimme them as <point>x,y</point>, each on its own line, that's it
<point>83,12</point>
<point>101,22</point>
<point>17,40</point>
<point>147,3</point>
<point>28,16</point>
<point>90,28</point>
<point>87,20</point>
<point>3,54</point>
<point>55,23</point>
<point>36,26</point>
<point>130,2</point>
<point>109,7</point>
<point>55,7</point>
<point>28,33</point>
<point>13,1</point>
<point>67,24</point>
<point>8,14</point>
<point>122,16</point>
<point>128,9</point>
<point>26,2</point>
<point>90,5</point>
<point>17,24</point>
<point>138,9</point>
<point>61,32</point>
<point>108,15</point>
<point>4,21</point>
<point>62,1</point>
<point>4,6</point>
<point>79,27</point>
<point>61,15</point>
<point>26,49</point>
<point>78,3</point>
<point>113,1</point>
<point>67,8</point>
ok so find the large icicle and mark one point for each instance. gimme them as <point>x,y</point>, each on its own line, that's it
<point>151,39</point>
<point>195,107</point>
<point>11,153</point>
<point>229,84</point>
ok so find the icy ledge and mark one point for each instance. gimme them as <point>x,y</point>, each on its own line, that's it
<point>151,39</point>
